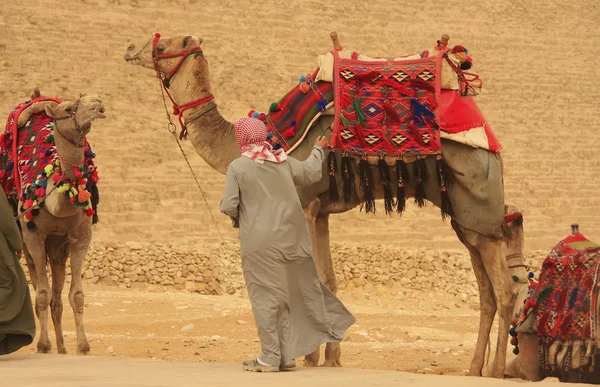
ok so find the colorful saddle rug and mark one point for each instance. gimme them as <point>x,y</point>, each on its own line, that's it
<point>387,107</point>
<point>29,158</point>
<point>565,303</point>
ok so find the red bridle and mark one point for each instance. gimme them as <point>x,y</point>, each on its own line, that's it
<point>166,80</point>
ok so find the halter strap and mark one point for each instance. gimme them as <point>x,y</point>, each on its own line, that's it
<point>166,80</point>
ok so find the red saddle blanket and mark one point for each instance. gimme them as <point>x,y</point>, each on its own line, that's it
<point>387,107</point>
<point>565,300</point>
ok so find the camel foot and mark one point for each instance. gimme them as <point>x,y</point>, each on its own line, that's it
<point>43,347</point>
<point>83,349</point>
<point>310,363</point>
<point>476,373</point>
<point>332,363</point>
<point>62,351</point>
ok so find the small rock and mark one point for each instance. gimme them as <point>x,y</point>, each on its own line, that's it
<point>428,371</point>
<point>133,246</point>
<point>149,336</point>
<point>97,304</point>
<point>446,350</point>
<point>242,322</point>
<point>110,350</point>
<point>215,338</point>
<point>187,328</point>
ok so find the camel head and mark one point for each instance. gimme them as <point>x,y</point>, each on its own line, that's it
<point>73,119</point>
<point>140,53</point>
<point>514,234</point>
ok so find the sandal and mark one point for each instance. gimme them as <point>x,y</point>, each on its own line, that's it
<point>255,366</point>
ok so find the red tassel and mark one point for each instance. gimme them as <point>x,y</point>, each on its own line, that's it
<point>28,204</point>
<point>40,192</point>
<point>262,116</point>
<point>291,132</point>
<point>251,112</point>
<point>90,212</point>
<point>56,178</point>
<point>29,216</point>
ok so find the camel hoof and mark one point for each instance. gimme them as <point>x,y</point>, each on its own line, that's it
<point>62,351</point>
<point>474,373</point>
<point>332,363</point>
<point>310,364</point>
<point>43,347</point>
<point>83,349</point>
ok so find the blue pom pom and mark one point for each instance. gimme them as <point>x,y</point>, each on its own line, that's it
<point>277,146</point>
<point>269,135</point>
<point>322,105</point>
<point>516,350</point>
<point>48,152</point>
<point>30,225</point>
<point>9,166</point>
<point>293,123</point>
<point>255,115</point>
<point>513,332</point>
<point>531,275</point>
<point>302,78</point>
<point>42,183</point>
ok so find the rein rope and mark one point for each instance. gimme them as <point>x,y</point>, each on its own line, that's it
<point>178,110</point>
<point>79,140</point>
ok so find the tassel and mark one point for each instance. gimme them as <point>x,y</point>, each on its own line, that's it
<point>568,357</point>
<point>344,120</point>
<point>593,358</point>
<point>403,178</point>
<point>334,195</point>
<point>421,177</point>
<point>384,177</point>
<point>366,182</point>
<point>30,225</point>
<point>446,204</point>
<point>348,177</point>
<point>582,348</point>
<point>559,346</point>
<point>543,295</point>
<point>360,115</point>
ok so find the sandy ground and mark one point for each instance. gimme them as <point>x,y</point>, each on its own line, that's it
<point>53,370</point>
<point>425,333</point>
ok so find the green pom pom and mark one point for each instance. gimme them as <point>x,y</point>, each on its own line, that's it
<point>515,278</point>
<point>273,107</point>
<point>50,139</point>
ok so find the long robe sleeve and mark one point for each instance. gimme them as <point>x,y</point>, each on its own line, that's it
<point>231,197</point>
<point>8,226</point>
<point>309,171</point>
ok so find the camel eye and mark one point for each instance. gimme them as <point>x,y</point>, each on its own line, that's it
<point>160,49</point>
<point>68,109</point>
<point>131,47</point>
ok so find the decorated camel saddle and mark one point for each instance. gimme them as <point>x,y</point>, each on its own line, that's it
<point>389,106</point>
<point>385,109</point>
<point>28,159</point>
<point>562,307</point>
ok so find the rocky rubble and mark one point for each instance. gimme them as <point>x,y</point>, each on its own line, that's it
<point>217,269</point>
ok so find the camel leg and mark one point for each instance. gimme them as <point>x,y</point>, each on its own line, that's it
<point>76,296</point>
<point>37,251</point>
<point>497,270</point>
<point>487,304</point>
<point>326,273</point>
<point>312,210</point>
<point>30,267</point>
<point>58,259</point>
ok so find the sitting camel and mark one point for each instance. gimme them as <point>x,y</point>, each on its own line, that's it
<point>477,194</point>
<point>568,359</point>
<point>56,181</point>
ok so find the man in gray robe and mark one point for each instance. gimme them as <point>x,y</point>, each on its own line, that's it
<point>294,312</point>
<point>17,324</point>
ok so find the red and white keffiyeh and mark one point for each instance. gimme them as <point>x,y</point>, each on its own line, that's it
<point>251,135</point>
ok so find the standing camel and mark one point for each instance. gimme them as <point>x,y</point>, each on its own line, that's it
<point>477,194</point>
<point>56,206</point>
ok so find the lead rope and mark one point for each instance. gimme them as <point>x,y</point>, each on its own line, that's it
<point>173,130</point>
<point>57,184</point>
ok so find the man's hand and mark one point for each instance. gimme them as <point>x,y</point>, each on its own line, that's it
<point>322,142</point>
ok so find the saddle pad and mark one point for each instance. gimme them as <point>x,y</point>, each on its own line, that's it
<point>387,107</point>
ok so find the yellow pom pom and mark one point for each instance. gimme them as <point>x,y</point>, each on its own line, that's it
<point>49,169</point>
<point>64,188</point>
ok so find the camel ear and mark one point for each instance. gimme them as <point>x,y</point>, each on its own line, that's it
<point>187,41</point>
<point>200,40</point>
<point>50,111</point>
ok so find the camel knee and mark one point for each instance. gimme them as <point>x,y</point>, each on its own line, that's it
<point>42,300</point>
<point>77,301</point>
<point>56,306</point>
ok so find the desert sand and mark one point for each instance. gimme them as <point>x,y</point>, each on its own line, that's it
<point>541,95</point>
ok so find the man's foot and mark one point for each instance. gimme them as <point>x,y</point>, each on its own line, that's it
<point>255,366</point>
<point>288,365</point>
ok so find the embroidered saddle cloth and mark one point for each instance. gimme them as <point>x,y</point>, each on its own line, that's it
<point>565,305</point>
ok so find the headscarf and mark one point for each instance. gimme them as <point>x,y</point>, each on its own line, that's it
<point>251,135</point>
